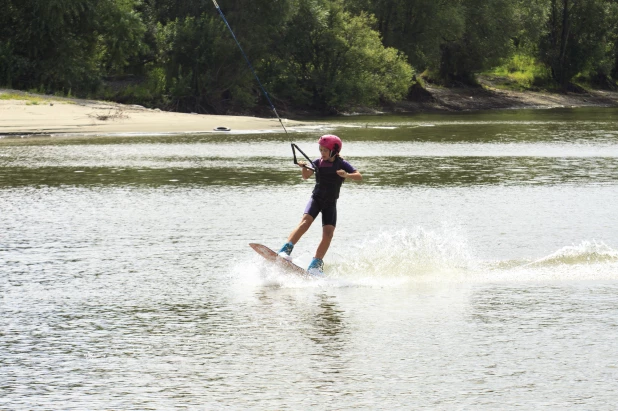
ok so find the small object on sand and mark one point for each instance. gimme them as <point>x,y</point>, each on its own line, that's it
<point>221,128</point>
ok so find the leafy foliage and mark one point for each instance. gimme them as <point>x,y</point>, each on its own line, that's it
<point>68,43</point>
<point>571,42</point>
<point>486,39</point>
<point>522,71</point>
<point>337,60</point>
<point>326,55</point>
<point>416,27</point>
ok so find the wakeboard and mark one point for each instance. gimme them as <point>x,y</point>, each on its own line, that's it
<point>279,261</point>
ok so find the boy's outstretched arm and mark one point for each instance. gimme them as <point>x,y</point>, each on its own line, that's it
<point>353,176</point>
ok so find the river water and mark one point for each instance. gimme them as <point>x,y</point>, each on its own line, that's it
<point>475,267</point>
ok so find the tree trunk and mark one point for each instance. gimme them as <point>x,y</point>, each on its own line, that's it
<point>615,69</point>
<point>564,37</point>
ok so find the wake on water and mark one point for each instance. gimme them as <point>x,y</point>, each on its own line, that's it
<point>421,256</point>
<point>587,252</point>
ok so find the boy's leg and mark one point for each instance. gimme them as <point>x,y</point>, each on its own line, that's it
<point>311,211</point>
<point>300,229</point>
<point>329,221</point>
<point>327,235</point>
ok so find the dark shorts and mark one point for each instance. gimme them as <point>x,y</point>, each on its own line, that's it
<point>329,212</point>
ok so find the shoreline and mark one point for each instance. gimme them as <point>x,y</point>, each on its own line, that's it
<point>489,96</point>
<point>33,115</point>
<point>37,115</point>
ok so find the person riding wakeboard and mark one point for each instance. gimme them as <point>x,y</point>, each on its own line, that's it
<point>331,171</point>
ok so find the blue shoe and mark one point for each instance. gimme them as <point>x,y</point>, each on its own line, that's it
<point>316,267</point>
<point>286,250</point>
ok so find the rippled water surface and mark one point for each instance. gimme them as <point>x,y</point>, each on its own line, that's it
<point>475,267</point>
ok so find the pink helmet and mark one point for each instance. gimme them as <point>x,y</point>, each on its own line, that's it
<point>331,142</point>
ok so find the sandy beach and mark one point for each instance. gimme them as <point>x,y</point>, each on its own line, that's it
<point>44,115</point>
<point>26,114</point>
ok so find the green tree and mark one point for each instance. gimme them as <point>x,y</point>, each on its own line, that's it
<point>416,27</point>
<point>204,69</point>
<point>576,37</point>
<point>604,70</point>
<point>330,60</point>
<point>452,38</point>
<point>530,19</point>
<point>613,38</point>
<point>65,44</point>
<point>489,28</point>
<point>122,33</point>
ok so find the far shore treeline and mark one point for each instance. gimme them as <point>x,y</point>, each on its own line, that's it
<point>315,55</point>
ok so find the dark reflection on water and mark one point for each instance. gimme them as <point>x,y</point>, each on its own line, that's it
<point>466,171</point>
<point>383,171</point>
<point>84,176</point>
<point>313,326</point>
<point>329,320</point>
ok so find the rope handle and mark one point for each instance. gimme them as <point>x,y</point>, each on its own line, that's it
<point>294,148</point>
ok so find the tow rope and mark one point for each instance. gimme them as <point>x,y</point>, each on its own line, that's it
<point>272,106</point>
